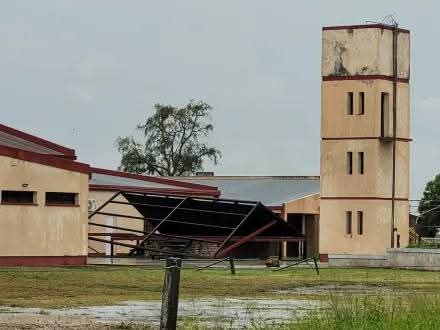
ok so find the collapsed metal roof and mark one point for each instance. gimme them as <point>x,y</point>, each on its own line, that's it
<point>224,223</point>
<point>270,190</point>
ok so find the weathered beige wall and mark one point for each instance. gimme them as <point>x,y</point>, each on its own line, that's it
<point>336,123</point>
<point>377,178</point>
<point>357,52</point>
<point>101,197</point>
<point>305,205</point>
<point>376,236</point>
<point>42,230</point>
<point>366,51</point>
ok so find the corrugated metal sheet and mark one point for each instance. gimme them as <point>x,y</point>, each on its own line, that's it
<point>9,140</point>
<point>271,191</point>
<point>111,180</point>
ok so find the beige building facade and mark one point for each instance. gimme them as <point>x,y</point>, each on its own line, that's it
<point>364,206</point>
<point>43,202</point>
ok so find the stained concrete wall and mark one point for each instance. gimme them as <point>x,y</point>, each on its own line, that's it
<point>40,230</point>
<point>336,123</point>
<point>378,163</point>
<point>367,261</point>
<point>428,259</point>
<point>348,54</point>
<point>376,237</point>
<point>408,258</point>
<point>366,51</point>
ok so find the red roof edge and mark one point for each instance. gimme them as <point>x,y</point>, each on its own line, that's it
<point>276,208</point>
<point>42,142</point>
<point>43,159</point>
<point>363,26</point>
<point>171,191</point>
<point>155,179</point>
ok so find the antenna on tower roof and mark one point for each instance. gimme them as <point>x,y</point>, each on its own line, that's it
<point>387,20</point>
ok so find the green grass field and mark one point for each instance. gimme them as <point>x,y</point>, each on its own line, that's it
<point>100,285</point>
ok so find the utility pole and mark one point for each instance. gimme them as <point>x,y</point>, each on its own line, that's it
<point>393,189</point>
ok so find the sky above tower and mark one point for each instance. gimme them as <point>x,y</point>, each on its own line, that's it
<point>83,72</point>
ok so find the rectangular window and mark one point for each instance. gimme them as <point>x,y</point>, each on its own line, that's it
<point>360,223</point>
<point>384,115</point>
<point>348,223</point>
<point>61,198</point>
<point>361,109</point>
<point>18,197</point>
<point>349,162</point>
<point>349,103</point>
<point>361,162</point>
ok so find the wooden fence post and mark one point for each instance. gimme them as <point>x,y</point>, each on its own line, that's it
<point>170,294</point>
<point>316,265</point>
<point>231,262</point>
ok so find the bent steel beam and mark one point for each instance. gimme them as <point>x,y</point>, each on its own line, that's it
<point>246,239</point>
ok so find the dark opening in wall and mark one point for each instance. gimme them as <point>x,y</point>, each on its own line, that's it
<point>384,115</point>
<point>360,222</point>
<point>361,162</point>
<point>348,224</point>
<point>18,197</point>
<point>61,198</point>
<point>361,110</point>
<point>349,162</point>
<point>349,103</point>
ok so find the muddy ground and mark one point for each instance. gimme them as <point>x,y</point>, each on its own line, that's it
<point>16,321</point>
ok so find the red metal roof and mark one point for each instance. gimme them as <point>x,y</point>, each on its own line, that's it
<point>11,137</point>
<point>107,182</point>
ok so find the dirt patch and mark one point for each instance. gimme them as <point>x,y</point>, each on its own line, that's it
<point>24,321</point>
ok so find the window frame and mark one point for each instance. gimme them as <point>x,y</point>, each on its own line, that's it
<point>60,201</point>
<point>17,202</point>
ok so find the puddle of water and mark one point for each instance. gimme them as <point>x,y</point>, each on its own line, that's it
<point>227,311</point>
<point>355,289</point>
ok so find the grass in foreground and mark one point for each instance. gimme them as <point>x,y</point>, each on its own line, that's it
<point>354,312</point>
<point>101,285</point>
<point>409,312</point>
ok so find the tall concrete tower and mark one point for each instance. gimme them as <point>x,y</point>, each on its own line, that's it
<point>365,135</point>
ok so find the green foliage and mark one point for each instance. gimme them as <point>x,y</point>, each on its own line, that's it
<point>173,142</point>
<point>429,207</point>
<point>424,245</point>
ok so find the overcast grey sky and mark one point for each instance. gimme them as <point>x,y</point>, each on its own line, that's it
<point>83,72</point>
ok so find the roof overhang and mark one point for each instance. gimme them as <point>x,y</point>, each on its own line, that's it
<point>57,150</point>
<point>44,159</point>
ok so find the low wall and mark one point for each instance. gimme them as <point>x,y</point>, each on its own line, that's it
<point>348,260</point>
<point>428,259</point>
<point>414,258</point>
